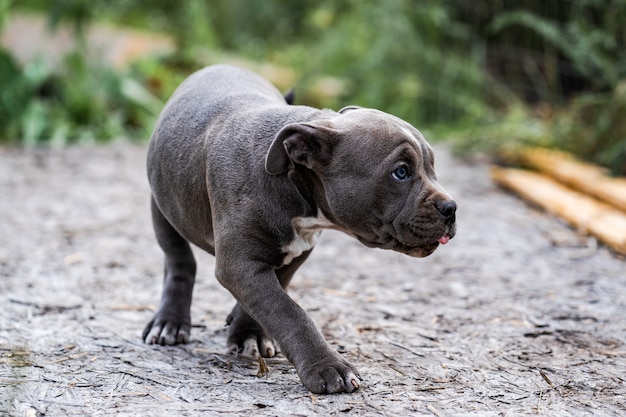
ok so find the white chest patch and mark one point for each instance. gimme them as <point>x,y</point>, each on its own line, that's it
<point>306,232</point>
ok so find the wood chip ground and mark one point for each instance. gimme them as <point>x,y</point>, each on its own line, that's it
<point>517,316</point>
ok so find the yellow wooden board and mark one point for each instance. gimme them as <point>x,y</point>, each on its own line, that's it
<point>588,214</point>
<point>588,178</point>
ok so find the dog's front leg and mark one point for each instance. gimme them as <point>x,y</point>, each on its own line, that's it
<point>257,288</point>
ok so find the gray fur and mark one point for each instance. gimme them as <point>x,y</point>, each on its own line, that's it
<point>238,172</point>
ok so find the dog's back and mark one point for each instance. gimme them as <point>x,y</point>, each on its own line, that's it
<point>209,94</point>
<point>205,101</point>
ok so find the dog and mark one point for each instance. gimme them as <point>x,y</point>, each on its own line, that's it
<point>237,171</point>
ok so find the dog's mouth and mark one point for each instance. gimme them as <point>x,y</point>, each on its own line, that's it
<point>420,250</point>
<point>422,247</point>
<point>444,239</point>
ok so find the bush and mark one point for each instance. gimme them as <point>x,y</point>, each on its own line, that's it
<point>79,102</point>
<point>489,72</point>
<point>588,36</point>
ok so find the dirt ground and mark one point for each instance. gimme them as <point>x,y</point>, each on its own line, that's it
<point>518,315</point>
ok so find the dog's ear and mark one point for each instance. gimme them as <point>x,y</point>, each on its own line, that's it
<point>349,108</point>
<point>308,144</point>
<point>290,96</point>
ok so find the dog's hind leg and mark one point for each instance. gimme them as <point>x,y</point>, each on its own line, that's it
<point>172,322</point>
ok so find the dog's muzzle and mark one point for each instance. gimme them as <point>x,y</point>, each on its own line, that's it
<point>448,211</point>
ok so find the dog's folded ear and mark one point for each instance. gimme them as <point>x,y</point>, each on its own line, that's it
<point>308,144</point>
<point>349,108</point>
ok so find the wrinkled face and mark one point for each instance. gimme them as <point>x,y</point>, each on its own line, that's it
<point>381,187</point>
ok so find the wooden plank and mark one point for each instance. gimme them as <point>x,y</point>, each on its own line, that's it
<point>589,215</point>
<point>588,178</point>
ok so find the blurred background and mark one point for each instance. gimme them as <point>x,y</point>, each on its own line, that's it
<point>485,75</point>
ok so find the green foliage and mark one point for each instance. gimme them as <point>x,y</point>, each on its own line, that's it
<point>393,57</point>
<point>78,101</point>
<point>78,13</point>
<point>414,59</point>
<point>594,127</point>
<point>400,67</point>
<point>81,102</point>
<point>432,62</point>
<point>590,36</point>
<point>596,51</point>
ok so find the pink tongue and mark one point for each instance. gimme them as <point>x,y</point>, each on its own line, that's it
<point>444,239</point>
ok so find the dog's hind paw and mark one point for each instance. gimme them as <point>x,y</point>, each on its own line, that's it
<point>246,337</point>
<point>254,347</point>
<point>166,333</point>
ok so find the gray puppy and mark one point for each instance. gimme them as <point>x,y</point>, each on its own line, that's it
<point>238,172</point>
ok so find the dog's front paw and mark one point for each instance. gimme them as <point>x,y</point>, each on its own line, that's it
<point>330,375</point>
<point>163,330</point>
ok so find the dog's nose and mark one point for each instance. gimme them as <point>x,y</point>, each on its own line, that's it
<point>448,210</point>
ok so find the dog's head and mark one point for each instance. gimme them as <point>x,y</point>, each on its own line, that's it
<point>378,178</point>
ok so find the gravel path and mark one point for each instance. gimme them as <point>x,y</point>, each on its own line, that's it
<point>518,315</point>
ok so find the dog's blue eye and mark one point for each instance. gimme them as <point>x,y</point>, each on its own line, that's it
<point>401,173</point>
